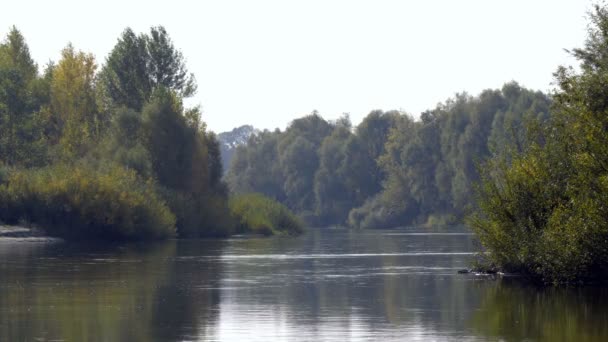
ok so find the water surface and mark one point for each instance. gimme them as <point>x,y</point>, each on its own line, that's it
<point>327,285</point>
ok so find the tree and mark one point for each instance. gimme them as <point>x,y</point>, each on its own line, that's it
<point>15,54</point>
<point>542,211</point>
<point>125,77</point>
<point>256,167</point>
<point>172,143</point>
<point>299,160</point>
<point>75,117</point>
<point>186,163</point>
<point>13,97</point>
<point>138,65</point>
<point>333,197</point>
<point>21,126</point>
<point>166,64</point>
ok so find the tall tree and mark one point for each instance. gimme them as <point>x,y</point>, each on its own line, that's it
<point>21,131</point>
<point>15,53</point>
<point>138,65</point>
<point>13,106</point>
<point>543,211</point>
<point>75,116</point>
<point>125,77</point>
<point>299,160</point>
<point>166,65</point>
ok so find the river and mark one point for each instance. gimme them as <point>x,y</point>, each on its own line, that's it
<point>327,285</point>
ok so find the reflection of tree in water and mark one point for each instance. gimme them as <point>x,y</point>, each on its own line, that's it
<point>375,293</point>
<point>513,311</point>
<point>90,293</point>
<point>188,300</point>
<point>171,291</point>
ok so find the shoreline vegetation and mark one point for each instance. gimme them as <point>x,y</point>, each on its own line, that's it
<point>541,209</point>
<point>258,214</point>
<point>528,172</point>
<point>111,152</point>
<point>114,154</point>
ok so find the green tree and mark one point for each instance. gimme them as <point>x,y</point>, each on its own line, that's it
<point>138,65</point>
<point>186,163</point>
<point>125,77</point>
<point>21,124</point>
<point>543,212</point>
<point>333,197</point>
<point>299,160</point>
<point>256,168</point>
<point>15,54</point>
<point>166,64</point>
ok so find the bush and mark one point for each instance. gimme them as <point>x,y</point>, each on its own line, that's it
<point>543,211</point>
<point>545,216</point>
<point>202,215</point>
<point>441,220</point>
<point>255,213</point>
<point>378,213</point>
<point>80,202</point>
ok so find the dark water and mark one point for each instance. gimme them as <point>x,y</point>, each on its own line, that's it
<point>331,285</point>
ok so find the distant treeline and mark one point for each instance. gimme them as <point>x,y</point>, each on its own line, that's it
<point>110,152</point>
<point>391,170</point>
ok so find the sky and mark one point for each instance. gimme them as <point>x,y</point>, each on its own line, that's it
<point>267,62</point>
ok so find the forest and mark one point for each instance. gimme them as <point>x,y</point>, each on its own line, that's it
<point>527,171</point>
<point>390,170</point>
<point>111,152</point>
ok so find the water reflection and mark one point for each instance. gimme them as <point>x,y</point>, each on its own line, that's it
<point>340,286</point>
<point>61,292</point>
<point>515,311</point>
<point>329,285</point>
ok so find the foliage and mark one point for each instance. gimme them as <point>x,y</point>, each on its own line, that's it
<point>430,164</point>
<point>229,141</point>
<point>544,213</point>
<point>74,115</point>
<point>128,117</point>
<point>256,213</point>
<point>255,167</point>
<point>81,202</point>
<point>139,65</point>
<point>21,124</point>
<point>187,165</point>
<point>125,143</point>
<point>390,170</point>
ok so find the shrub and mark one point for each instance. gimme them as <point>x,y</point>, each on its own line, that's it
<point>378,213</point>
<point>201,215</point>
<point>543,211</point>
<point>255,213</point>
<point>81,202</point>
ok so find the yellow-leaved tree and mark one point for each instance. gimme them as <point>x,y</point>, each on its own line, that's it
<point>74,114</point>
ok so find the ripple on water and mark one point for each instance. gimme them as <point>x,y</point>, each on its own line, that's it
<point>335,256</point>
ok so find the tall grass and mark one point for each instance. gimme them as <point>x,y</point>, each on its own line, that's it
<point>255,213</point>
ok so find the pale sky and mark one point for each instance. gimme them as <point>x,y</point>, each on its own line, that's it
<point>267,62</point>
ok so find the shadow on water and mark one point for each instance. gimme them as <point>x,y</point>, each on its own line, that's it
<point>64,292</point>
<point>515,311</point>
